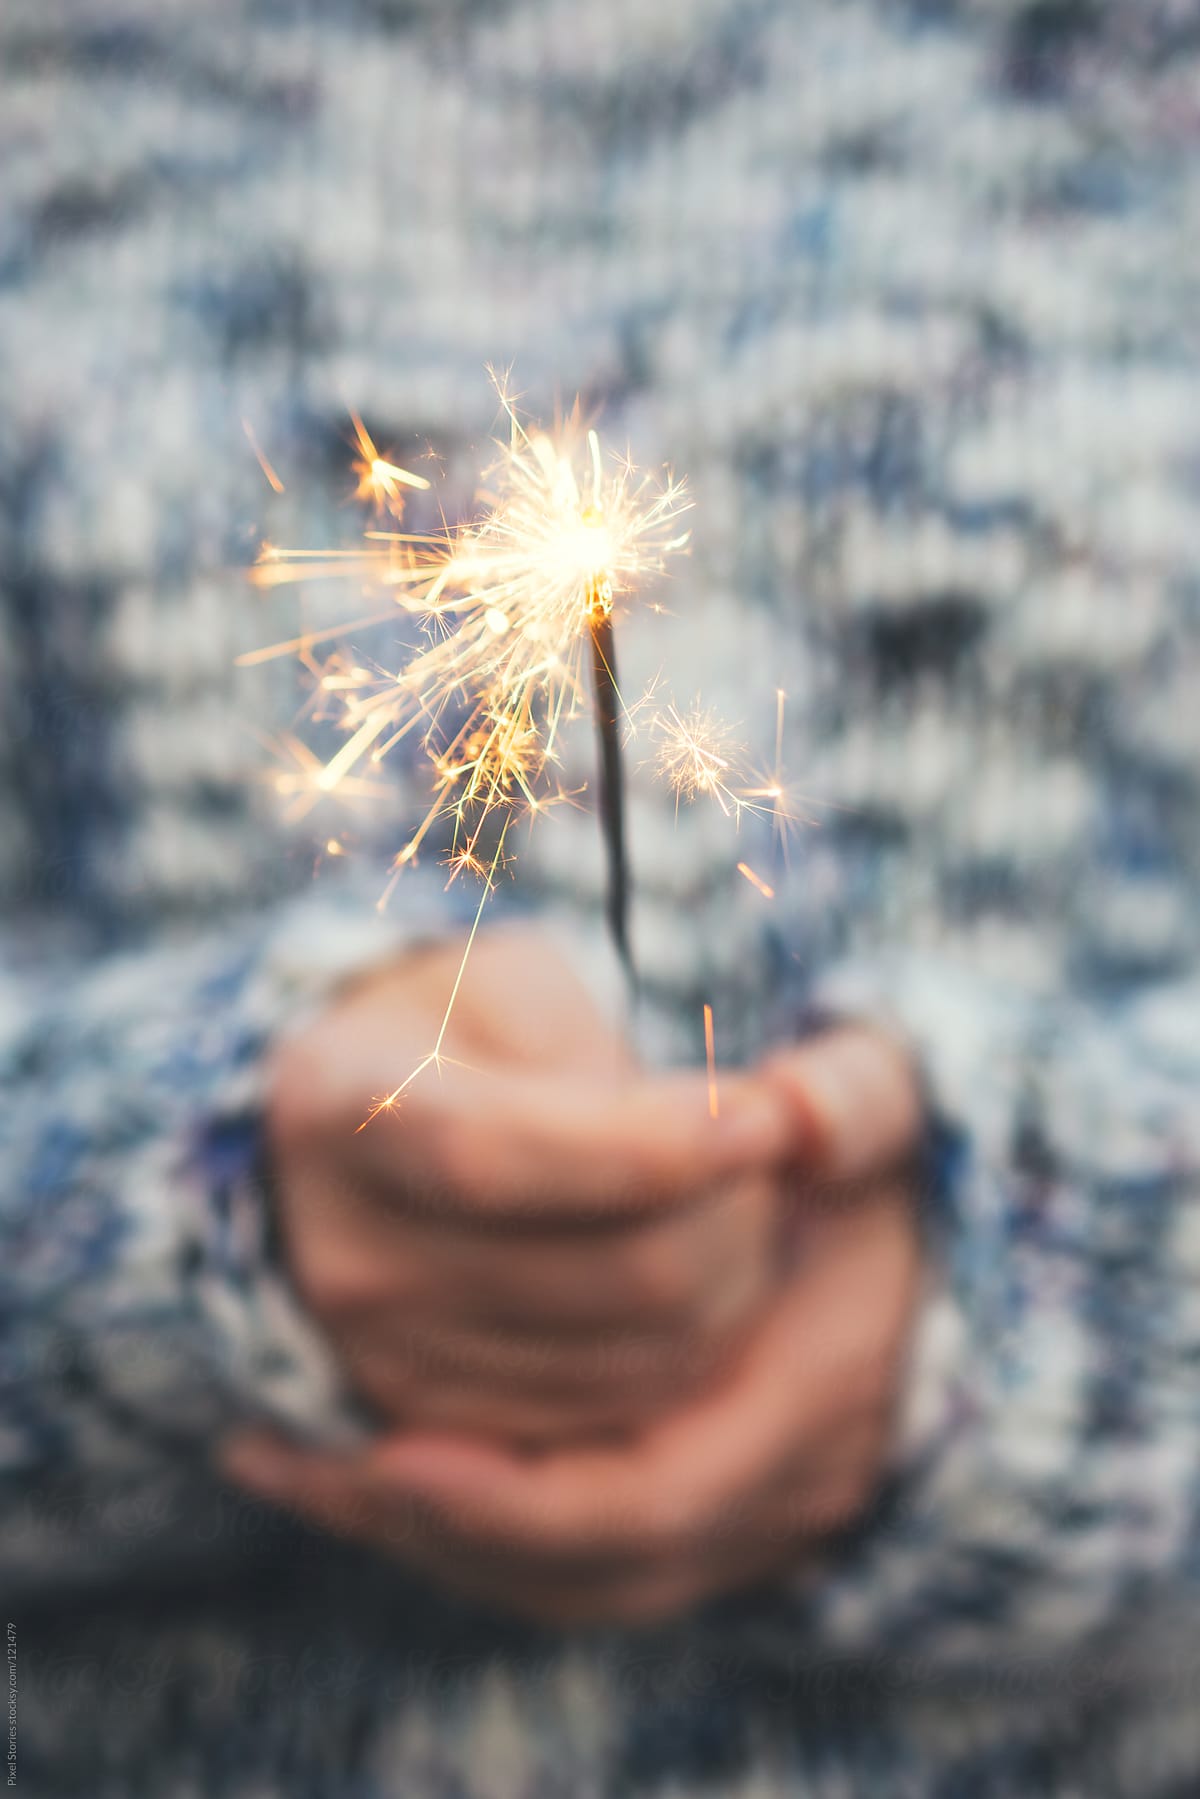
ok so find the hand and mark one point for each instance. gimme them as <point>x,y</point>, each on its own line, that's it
<point>738,1483</point>
<point>539,1241</point>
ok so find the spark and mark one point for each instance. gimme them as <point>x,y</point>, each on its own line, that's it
<point>698,754</point>
<point>784,809</point>
<point>380,480</point>
<point>297,779</point>
<point>261,457</point>
<point>710,1056</point>
<point>767,891</point>
<point>435,1058</point>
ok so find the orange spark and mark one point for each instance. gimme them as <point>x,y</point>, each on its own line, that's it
<point>380,480</point>
<point>756,880</point>
<point>710,1055</point>
<point>263,464</point>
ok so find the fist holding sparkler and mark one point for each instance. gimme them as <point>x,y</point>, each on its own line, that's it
<point>536,1246</point>
<point>576,1200</point>
<point>540,1242</point>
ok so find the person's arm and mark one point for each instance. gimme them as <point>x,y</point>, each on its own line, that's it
<point>1050,1470</point>
<point>1045,1474</point>
<point>144,1305</point>
<point>161,1280</point>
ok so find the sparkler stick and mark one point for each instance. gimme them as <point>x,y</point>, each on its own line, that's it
<point>612,788</point>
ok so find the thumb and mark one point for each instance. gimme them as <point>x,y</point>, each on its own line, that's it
<point>856,1100</point>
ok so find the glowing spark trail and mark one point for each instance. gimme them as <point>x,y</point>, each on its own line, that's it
<point>710,1056</point>
<point>757,881</point>
<point>261,458</point>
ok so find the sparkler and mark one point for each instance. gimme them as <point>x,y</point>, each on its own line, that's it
<point>508,605</point>
<point>514,613</point>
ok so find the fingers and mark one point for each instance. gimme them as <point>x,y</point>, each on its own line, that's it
<point>336,1492</point>
<point>732,1486</point>
<point>712,1468</point>
<point>660,1496</point>
<point>528,1390</point>
<point>556,1341</point>
<point>855,1100</point>
<point>575,1151</point>
<point>353,1497</point>
<point>687,1272</point>
<point>824,1364</point>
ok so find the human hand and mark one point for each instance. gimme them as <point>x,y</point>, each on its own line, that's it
<point>540,1240</point>
<point>739,1482</point>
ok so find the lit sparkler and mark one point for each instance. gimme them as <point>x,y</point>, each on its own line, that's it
<point>511,605</point>
<point>514,612</point>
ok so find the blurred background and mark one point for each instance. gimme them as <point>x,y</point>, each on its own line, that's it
<point>908,297</point>
<point>909,294</point>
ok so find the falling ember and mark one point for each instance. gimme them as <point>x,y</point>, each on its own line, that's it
<point>710,1056</point>
<point>756,880</point>
<point>261,458</point>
